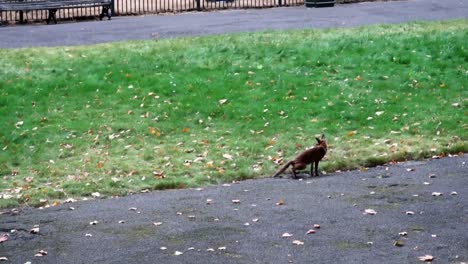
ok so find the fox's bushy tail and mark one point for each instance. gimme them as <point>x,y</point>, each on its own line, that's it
<point>283,169</point>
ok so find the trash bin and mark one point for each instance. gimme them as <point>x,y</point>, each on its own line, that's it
<point>320,3</point>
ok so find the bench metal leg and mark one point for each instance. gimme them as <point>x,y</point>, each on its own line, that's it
<point>105,12</point>
<point>52,16</point>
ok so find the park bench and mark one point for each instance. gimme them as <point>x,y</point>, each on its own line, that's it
<point>53,5</point>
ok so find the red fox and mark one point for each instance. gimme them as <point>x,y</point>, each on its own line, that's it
<point>309,156</point>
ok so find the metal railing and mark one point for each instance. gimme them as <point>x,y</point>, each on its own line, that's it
<point>141,7</point>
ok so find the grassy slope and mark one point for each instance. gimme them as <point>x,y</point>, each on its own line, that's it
<point>112,118</point>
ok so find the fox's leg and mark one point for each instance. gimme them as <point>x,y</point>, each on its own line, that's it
<point>294,172</point>
<point>316,169</point>
<point>311,169</point>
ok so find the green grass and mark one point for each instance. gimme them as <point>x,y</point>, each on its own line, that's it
<point>104,118</point>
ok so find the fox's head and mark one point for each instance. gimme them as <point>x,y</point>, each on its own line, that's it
<point>321,141</point>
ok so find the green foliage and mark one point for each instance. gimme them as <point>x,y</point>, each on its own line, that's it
<point>123,117</point>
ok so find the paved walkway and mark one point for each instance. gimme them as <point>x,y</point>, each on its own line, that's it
<point>249,222</point>
<point>205,23</point>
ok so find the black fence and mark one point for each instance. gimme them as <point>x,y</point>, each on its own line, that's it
<point>141,7</point>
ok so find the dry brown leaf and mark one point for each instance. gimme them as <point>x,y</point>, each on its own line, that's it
<point>41,253</point>
<point>227,156</point>
<point>280,202</point>
<point>159,174</point>
<point>3,238</point>
<point>298,243</point>
<point>427,258</point>
<point>34,230</point>
<point>370,212</point>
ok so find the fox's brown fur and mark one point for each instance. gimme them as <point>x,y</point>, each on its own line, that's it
<point>309,156</point>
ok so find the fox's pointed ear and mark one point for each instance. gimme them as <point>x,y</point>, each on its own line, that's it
<point>318,140</point>
<point>323,136</point>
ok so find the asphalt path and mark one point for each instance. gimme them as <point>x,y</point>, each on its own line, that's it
<point>421,208</point>
<point>208,23</point>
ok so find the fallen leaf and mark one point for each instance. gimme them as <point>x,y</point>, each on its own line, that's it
<point>427,258</point>
<point>41,253</point>
<point>298,242</point>
<point>370,212</point>
<point>70,200</point>
<point>154,131</point>
<point>403,233</point>
<point>163,248</point>
<point>227,156</point>
<point>88,235</point>
<point>453,193</point>
<point>3,259</point>
<point>379,113</point>
<point>398,243</point>
<point>3,238</point>
<point>436,194</point>
<point>409,213</point>
<point>159,174</point>
<point>222,101</point>
<point>132,209</point>
<point>222,248</point>
<point>178,253</point>
<point>311,231</point>
<point>286,235</point>
<point>157,223</point>
<point>185,130</point>
<point>209,201</point>
<point>93,222</point>
<point>121,222</point>
<point>317,226</point>
<point>255,220</point>
<point>236,201</point>
<point>210,249</point>
<point>410,169</point>
<point>280,202</point>
<point>95,194</point>
<point>34,230</point>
